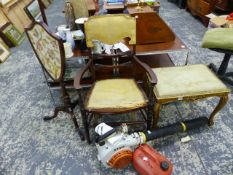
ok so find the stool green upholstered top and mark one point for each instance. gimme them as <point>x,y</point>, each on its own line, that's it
<point>189,82</point>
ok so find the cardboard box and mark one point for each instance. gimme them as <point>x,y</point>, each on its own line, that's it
<point>219,21</point>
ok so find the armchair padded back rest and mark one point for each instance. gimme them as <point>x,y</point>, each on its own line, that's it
<point>48,49</point>
<point>110,29</point>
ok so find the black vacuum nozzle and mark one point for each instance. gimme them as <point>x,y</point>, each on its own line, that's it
<point>177,127</point>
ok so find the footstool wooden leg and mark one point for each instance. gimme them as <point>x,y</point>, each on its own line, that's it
<point>221,104</point>
<point>157,107</point>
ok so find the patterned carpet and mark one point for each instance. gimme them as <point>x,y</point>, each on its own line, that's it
<point>30,146</point>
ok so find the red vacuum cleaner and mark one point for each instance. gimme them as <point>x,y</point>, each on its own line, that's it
<point>117,148</point>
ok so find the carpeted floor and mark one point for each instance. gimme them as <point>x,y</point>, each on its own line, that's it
<point>30,146</point>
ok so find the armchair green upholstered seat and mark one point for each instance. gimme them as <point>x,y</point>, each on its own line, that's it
<point>118,94</point>
<point>189,82</point>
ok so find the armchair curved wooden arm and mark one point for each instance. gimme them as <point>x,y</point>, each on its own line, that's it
<point>97,55</point>
<point>149,71</point>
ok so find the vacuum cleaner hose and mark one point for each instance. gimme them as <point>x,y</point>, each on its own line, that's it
<point>177,127</point>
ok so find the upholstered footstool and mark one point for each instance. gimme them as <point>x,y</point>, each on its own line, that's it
<point>220,40</point>
<point>189,82</point>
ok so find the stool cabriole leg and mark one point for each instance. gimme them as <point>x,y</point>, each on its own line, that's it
<point>222,101</point>
<point>157,107</point>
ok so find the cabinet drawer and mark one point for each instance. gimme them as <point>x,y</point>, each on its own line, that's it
<point>203,7</point>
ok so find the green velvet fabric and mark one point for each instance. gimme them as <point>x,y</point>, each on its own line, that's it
<point>221,38</point>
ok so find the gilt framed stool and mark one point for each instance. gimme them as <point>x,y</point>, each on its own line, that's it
<point>190,82</point>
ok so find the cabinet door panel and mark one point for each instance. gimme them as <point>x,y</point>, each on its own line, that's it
<point>192,4</point>
<point>203,7</point>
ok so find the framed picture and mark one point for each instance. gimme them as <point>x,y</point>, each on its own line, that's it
<point>4,2</point>
<point>4,52</point>
<point>33,10</point>
<point>13,34</point>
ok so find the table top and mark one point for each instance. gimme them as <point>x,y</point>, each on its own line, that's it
<point>158,48</point>
<point>148,49</point>
<point>163,39</point>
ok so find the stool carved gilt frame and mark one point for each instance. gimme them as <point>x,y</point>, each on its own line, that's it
<point>222,101</point>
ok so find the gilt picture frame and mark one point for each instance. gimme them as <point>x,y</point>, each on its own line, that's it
<point>13,34</point>
<point>33,10</point>
<point>4,52</point>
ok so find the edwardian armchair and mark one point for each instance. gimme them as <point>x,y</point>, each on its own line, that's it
<point>49,51</point>
<point>114,89</point>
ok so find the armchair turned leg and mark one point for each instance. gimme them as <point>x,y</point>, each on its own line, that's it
<point>76,126</point>
<point>221,104</point>
<point>157,107</point>
<point>84,118</point>
<point>150,116</point>
<point>86,128</point>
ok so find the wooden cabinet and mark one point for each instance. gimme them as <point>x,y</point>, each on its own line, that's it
<point>201,8</point>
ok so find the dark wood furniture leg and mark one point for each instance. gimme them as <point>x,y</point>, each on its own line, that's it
<point>67,107</point>
<point>222,71</point>
<point>84,118</point>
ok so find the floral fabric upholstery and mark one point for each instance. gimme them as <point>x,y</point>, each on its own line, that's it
<point>47,49</point>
